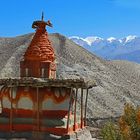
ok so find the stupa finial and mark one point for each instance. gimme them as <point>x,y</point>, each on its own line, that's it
<point>42,18</point>
<point>41,23</point>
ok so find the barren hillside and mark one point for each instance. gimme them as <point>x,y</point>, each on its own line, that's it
<point>118,81</point>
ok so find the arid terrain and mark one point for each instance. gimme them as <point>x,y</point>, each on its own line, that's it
<point>117,81</point>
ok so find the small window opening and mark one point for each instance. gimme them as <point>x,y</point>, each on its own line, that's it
<point>26,72</point>
<point>42,72</point>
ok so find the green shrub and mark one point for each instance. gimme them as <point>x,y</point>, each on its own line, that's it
<point>127,128</point>
<point>109,132</point>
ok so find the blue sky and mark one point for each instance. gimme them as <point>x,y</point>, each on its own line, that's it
<point>103,18</point>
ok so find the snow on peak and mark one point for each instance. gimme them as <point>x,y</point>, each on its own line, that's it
<point>92,39</point>
<point>74,37</point>
<point>120,40</point>
<point>130,38</point>
<point>79,38</point>
<point>111,39</point>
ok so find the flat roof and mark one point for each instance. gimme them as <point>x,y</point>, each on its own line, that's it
<point>45,82</point>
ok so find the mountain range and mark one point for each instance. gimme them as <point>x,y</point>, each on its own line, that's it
<point>117,81</point>
<point>127,48</point>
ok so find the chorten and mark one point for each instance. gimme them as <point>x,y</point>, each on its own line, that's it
<point>39,58</point>
<point>37,101</point>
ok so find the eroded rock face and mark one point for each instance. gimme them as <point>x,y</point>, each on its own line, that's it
<point>118,81</point>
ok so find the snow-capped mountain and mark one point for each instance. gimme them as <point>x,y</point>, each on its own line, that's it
<point>130,38</point>
<point>111,39</point>
<point>88,40</point>
<point>111,48</point>
<point>92,40</point>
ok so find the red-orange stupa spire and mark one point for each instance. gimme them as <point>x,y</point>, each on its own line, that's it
<point>39,57</point>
